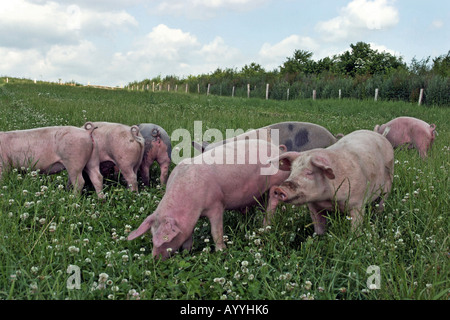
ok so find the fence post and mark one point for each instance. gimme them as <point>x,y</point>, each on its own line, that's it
<point>248,90</point>
<point>376,94</point>
<point>232,92</point>
<point>176,88</point>
<point>186,88</point>
<point>267,91</point>
<point>153,86</point>
<point>420,96</point>
<point>314,94</point>
<point>198,87</point>
<point>287,94</point>
<point>209,86</point>
<point>340,94</point>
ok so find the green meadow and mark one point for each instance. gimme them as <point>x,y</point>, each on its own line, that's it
<point>58,245</point>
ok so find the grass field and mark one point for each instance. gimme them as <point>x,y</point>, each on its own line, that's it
<point>45,230</point>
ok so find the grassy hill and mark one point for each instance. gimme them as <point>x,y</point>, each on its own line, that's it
<point>44,228</point>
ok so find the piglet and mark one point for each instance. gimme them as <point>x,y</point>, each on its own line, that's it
<point>118,145</point>
<point>353,172</point>
<point>51,149</point>
<point>230,176</point>
<point>413,132</point>
<point>157,148</point>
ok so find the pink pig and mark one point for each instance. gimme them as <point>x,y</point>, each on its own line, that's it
<point>118,145</point>
<point>206,186</point>
<point>51,149</point>
<point>410,131</point>
<point>354,171</point>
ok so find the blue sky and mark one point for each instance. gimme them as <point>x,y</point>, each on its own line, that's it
<point>114,42</point>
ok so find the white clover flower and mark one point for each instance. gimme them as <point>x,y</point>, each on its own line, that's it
<point>73,249</point>
<point>24,216</point>
<point>102,277</point>
<point>308,285</point>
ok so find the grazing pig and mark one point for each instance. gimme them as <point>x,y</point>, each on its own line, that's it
<point>296,136</point>
<point>157,148</point>
<point>118,145</point>
<point>354,171</point>
<point>207,185</point>
<point>51,149</point>
<point>409,131</point>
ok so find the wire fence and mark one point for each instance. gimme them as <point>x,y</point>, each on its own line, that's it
<point>429,90</point>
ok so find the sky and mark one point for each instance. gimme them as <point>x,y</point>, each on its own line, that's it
<point>114,42</point>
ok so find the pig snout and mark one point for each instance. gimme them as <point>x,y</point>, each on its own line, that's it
<point>285,191</point>
<point>280,194</point>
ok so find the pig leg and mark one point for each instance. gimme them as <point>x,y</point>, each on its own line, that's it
<point>357,217</point>
<point>145,173</point>
<point>271,207</point>
<point>130,177</point>
<point>318,218</point>
<point>76,179</point>
<point>422,147</point>
<point>164,167</point>
<point>96,178</point>
<point>215,216</point>
<point>187,245</point>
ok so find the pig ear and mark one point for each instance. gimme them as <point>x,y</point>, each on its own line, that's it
<point>143,228</point>
<point>324,164</point>
<point>285,160</point>
<point>166,231</point>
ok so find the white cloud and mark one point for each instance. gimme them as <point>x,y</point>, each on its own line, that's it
<point>205,9</point>
<point>357,17</point>
<point>383,48</point>
<point>35,24</point>
<point>437,24</point>
<point>272,56</point>
<point>218,53</point>
<point>169,51</point>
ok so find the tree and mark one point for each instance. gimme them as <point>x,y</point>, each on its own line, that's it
<point>301,62</point>
<point>441,65</point>
<point>254,69</point>
<point>363,60</point>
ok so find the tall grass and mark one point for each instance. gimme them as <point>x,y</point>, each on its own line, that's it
<point>44,228</point>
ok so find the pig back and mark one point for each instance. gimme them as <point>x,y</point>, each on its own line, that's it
<point>367,152</point>
<point>240,171</point>
<point>302,136</point>
<point>46,147</point>
<point>117,141</point>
